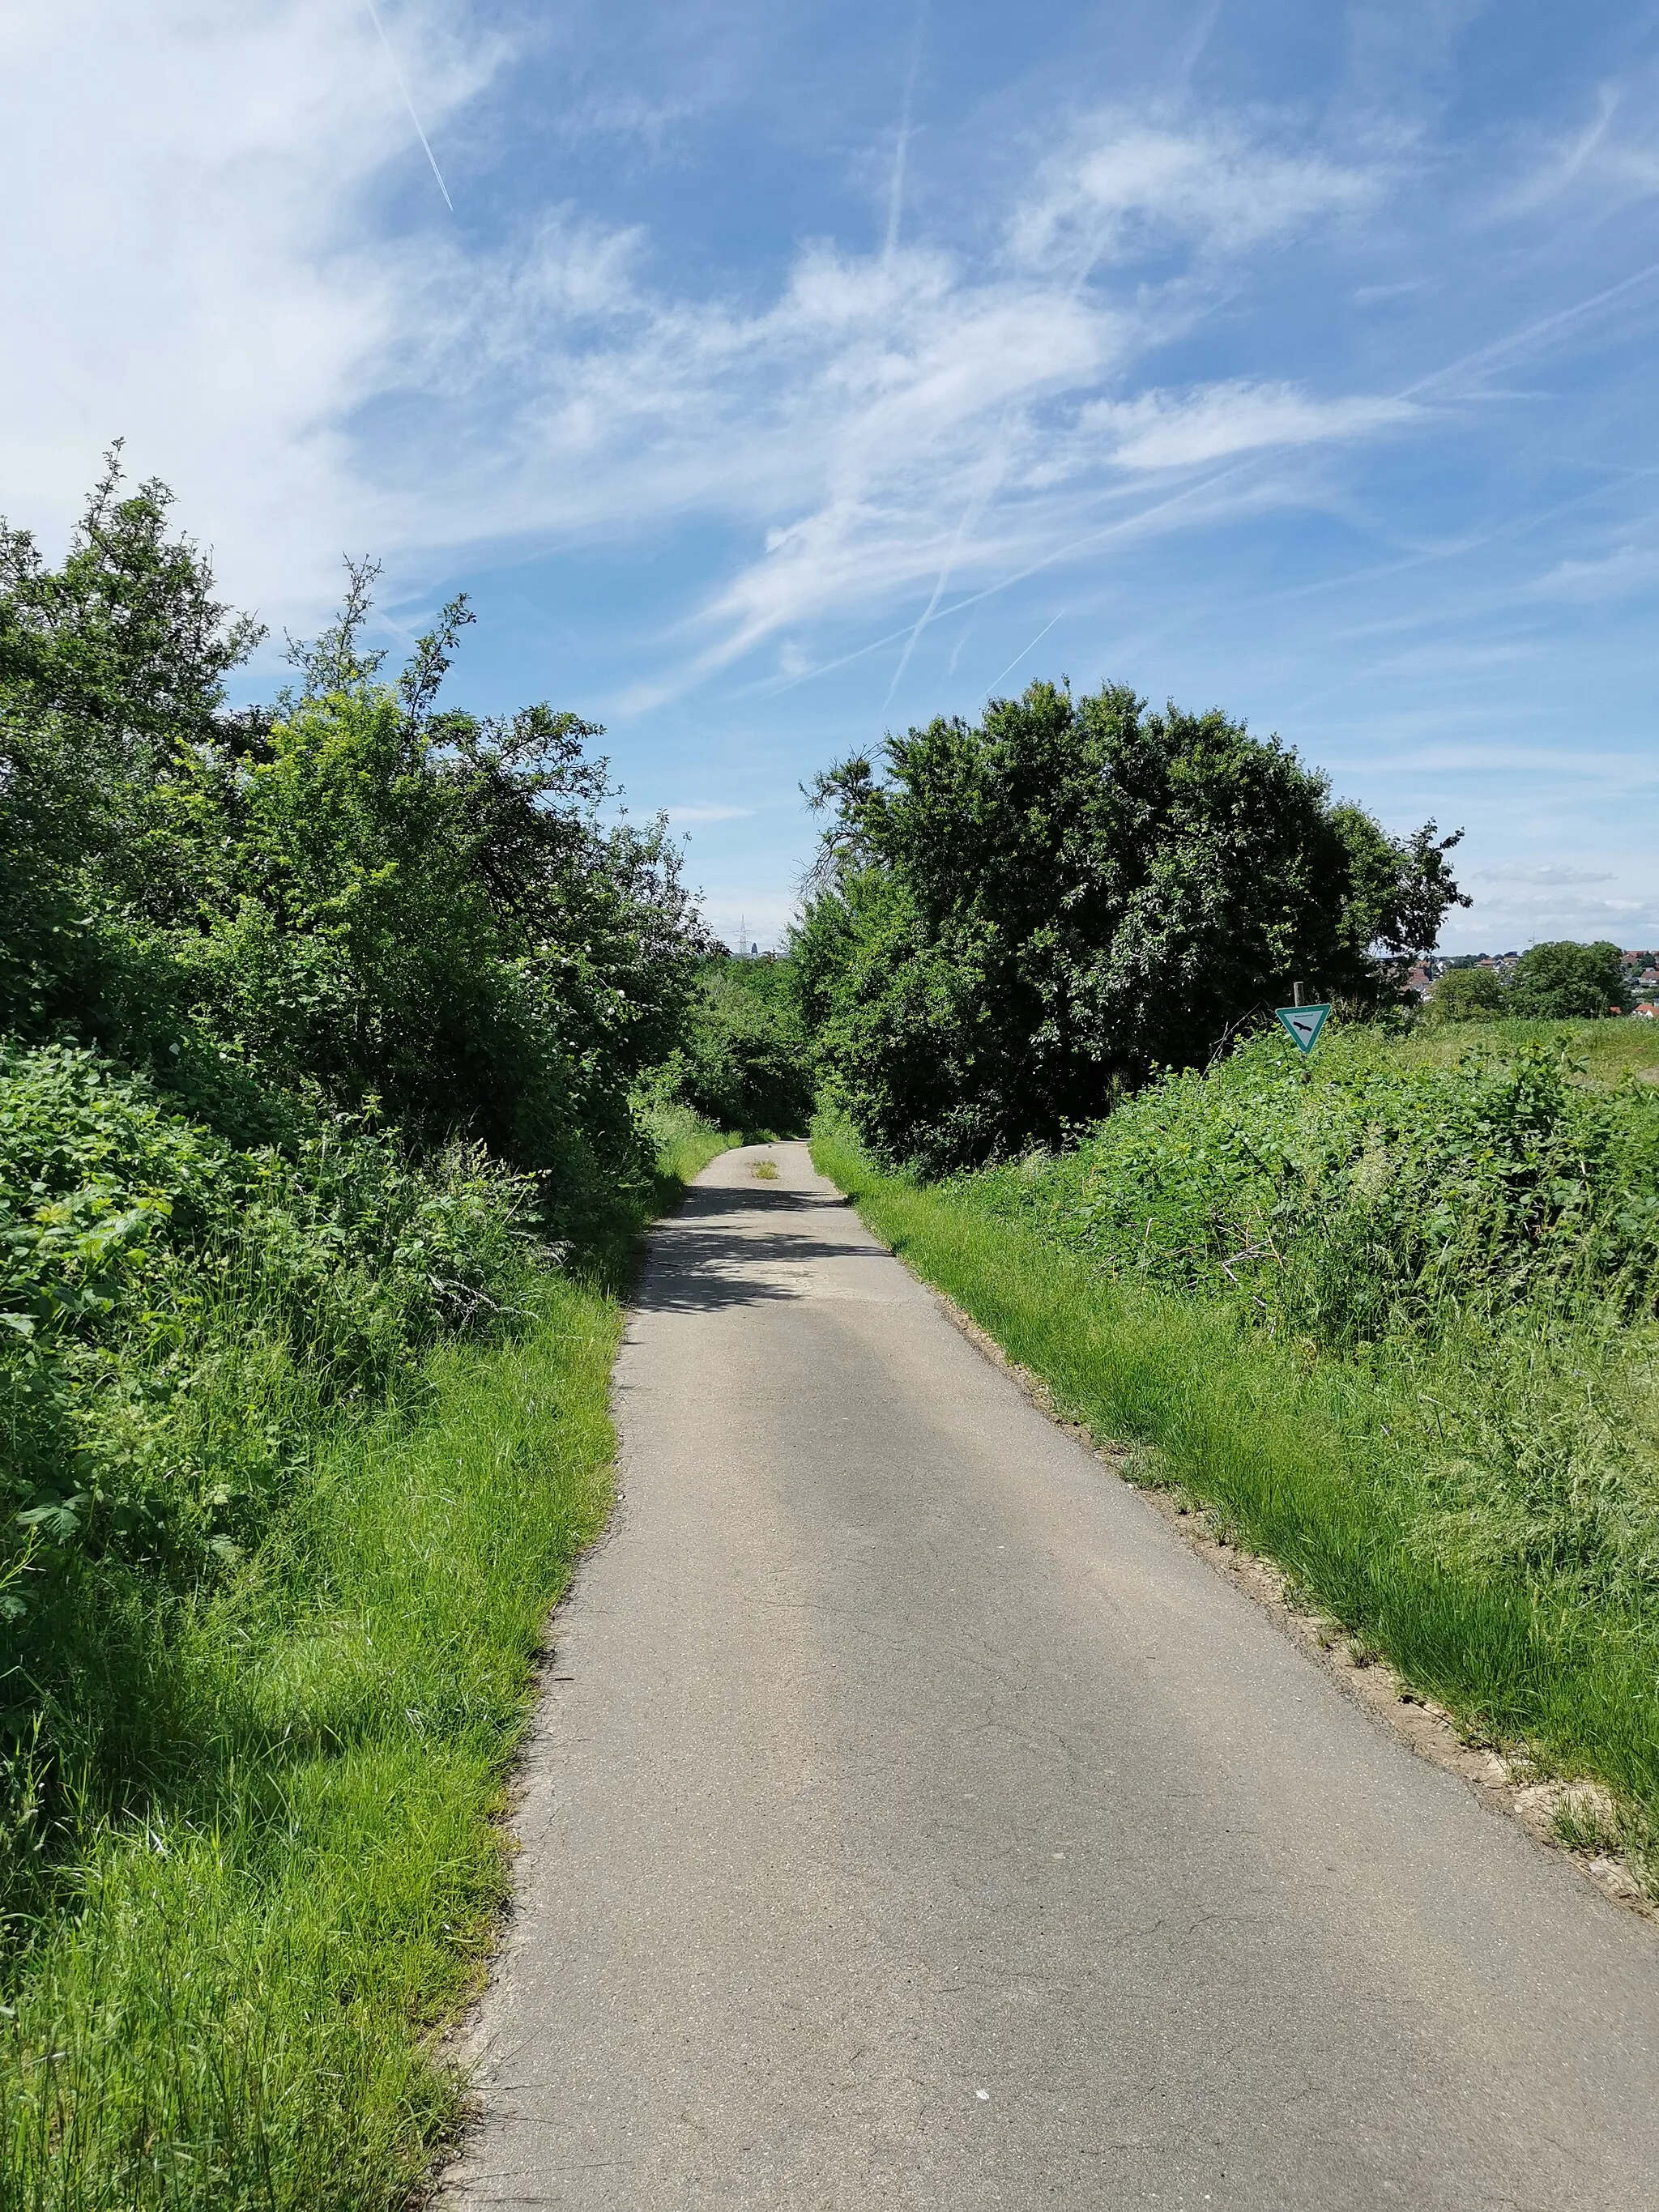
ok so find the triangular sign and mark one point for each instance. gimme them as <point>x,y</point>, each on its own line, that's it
<point>1304,1023</point>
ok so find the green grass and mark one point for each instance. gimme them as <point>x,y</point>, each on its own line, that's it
<point>684,1145</point>
<point>237,2003</point>
<point>1608,1050</point>
<point>1316,1461</point>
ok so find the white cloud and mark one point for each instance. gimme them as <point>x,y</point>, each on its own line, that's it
<point>214,272</point>
<point>1547,874</point>
<point>1121,187</point>
<point>194,260</point>
<point>1161,430</point>
<point>1628,572</point>
<point>1597,161</point>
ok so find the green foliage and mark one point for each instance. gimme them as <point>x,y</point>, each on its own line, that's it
<point>1467,994</point>
<point>743,1062</point>
<point>320,1031</point>
<point>296,1891</point>
<point>182,1320</point>
<point>1569,983</point>
<point>1366,1197</point>
<point>352,897</point>
<point>1479,1242</point>
<point>1028,915</point>
<point>106,665</point>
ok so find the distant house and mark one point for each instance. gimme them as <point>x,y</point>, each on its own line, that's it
<point>1645,1010</point>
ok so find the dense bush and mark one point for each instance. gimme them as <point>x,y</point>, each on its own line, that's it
<point>1467,1255</point>
<point>172,1305</point>
<point>1565,983</point>
<point>319,1023</point>
<point>1467,994</point>
<point>743,1063</point>
<point>353,894</point>
<point>1028,915</point>
<point>1364,1196</point>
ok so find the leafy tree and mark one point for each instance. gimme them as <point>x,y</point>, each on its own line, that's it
<point>351,895</point>
<point>1566,981</point>
<point>1022,917</point>
<point>742,1061</point>
<point>1467,994</point>
<point>108,664</point>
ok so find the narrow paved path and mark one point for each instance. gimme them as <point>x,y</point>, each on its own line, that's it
<point>914,1822</point>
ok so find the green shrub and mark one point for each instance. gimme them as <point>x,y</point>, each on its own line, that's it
<point>1363,1196</point>
<point>743,1062</point>
<point>351,895</point>
<point>1027,916</point>
<point>1566,982</point>
<point>178,1321</point>
<point>1474,1248</point>
<point>321,1026</point>
<point>1467,994</point>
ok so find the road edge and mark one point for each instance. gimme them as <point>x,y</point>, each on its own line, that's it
<point>1507,1785</point>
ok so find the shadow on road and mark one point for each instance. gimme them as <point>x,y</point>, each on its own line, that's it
<point>702,1260</point>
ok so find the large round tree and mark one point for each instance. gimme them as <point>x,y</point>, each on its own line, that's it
<point>1017,919</point>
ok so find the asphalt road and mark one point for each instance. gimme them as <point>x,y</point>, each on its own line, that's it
<point>914,1822</point>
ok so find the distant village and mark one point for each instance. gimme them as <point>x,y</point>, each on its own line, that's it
<point>1641,973</point>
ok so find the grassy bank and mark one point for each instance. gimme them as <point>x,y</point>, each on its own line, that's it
<point>233,1998</point>
<point>1469,1487</point>
<point>1605,1051</point>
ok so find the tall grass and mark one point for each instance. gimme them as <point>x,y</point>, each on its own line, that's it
<point>1475,1498</point>
<point>235,1999</point>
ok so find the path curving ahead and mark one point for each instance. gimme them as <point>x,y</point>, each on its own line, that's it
<point>913,1821</point>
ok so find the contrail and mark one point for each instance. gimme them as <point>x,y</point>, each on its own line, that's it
<point>1504,349</point>
<point>410,105</point>
<point>901,155</point>
<point>775,687</point>
<point>971,515</point>
<point>1032,647</point>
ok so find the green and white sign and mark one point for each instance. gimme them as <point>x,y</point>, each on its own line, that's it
<point>1304,1024</point>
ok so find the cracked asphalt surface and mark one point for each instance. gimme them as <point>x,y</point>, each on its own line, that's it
<point>912,1821</point>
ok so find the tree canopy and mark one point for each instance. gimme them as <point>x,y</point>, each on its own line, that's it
<point>1567,981</point>
<point>1015,920</point>
<point>1467,994</point>
<point>351,895</point>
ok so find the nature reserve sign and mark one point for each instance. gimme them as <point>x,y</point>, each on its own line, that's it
<point>1304,1023</point>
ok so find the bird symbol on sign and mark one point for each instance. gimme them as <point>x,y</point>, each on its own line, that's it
<point>1304,1023</point>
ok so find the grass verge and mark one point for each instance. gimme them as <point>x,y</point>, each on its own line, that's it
<point>1297,1458</point>
<point>240,2006</point>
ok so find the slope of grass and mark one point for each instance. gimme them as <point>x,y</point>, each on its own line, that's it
<point>1607,1051</point>
<point>1322,1463</point>
<point>238,2005</point>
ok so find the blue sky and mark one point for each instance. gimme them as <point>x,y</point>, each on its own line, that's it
<point>784,374</point>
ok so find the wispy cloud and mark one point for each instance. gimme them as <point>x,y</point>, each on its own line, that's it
<point>214,275</point>
<point>902,144</point>
<point>888,419</point>
<point>872,435</point>
<point>1120,188</point>
<point>1168,431</point>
